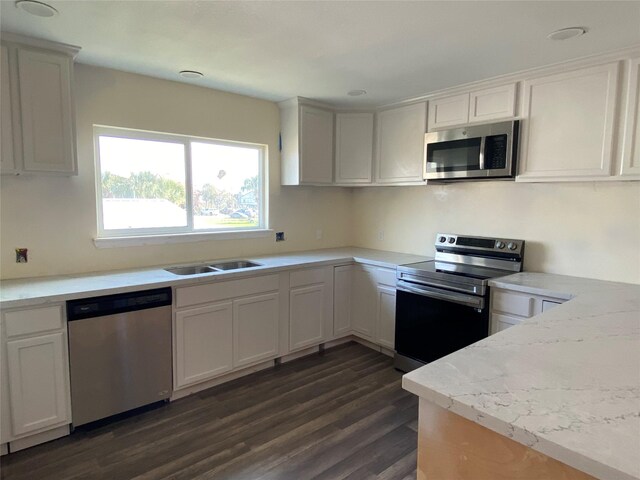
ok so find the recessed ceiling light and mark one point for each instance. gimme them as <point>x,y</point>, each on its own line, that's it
<point>191,74</point>
<point>38,9</point>
<point>356,93</point>
<point>567,33</point>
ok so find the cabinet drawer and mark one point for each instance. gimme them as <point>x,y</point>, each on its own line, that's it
<point>213,292</point>
<point>502,322</point>
<point>309,276</point>
<point>36,320</point>
<point>513,303</point>
<point>385,276</point>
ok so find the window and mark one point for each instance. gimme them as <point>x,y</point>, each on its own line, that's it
<point>159,184</point>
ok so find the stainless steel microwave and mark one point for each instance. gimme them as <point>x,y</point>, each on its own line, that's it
<point>478,152</point>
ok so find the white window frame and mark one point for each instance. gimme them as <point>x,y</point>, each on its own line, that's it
<point>143,236</point>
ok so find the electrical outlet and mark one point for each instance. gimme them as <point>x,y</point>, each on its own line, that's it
<point>319,234</point>
<point>280,237</point>
<point>22,255</point>
<point>381,235</point>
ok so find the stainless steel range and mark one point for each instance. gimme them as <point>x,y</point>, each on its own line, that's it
<point>443,305</point>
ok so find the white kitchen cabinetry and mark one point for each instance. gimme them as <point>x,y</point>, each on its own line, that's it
<point>38,82</point>
<point>222,326</point>
<point>482,105</point>
<point>448,111</point>
<point>568,125</point>
<point>354,148</point>
<point>373,304</point>
<point>385,316</point>
<point>307,143</point>
<point>342,293</point>
<point>310,307</point>
<point>35,376</point>
<point>255,329</point>
<point>630,166</point>
<point>510,308</point>
<point>204,339</point>
<point>400,144</point>
<point>7,160</point>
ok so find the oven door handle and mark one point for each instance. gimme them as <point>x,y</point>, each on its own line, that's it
<point>468,300</point>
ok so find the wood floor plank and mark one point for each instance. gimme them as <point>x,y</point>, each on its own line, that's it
<point>338,414</point>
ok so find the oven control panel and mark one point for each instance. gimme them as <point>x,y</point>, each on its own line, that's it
<point>453,241</point>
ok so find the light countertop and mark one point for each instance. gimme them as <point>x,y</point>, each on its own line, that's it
<point>565,383</point>
<point>43,290</point>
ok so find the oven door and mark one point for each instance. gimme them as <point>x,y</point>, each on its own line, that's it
<point>432,322</point>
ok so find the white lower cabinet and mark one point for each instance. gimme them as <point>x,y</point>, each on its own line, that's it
<point>310,307</point>
<point>35,373</point>
<point>342,282</point>
<point>204,339</point>
<point>369,303</point>
<point>37,385</point>
<point>509,308</point>
<point>363,302</point>
<point>386,316</point>
<point>223,326</point>
<point>255,329</point>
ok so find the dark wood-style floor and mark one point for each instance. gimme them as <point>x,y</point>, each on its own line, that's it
<point>340,414</point>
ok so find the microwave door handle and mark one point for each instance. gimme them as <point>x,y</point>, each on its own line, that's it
<point>467,300</point>
<point>482,143</point>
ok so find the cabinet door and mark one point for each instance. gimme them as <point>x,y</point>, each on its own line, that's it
<point>306,316</point>
<point>316,145</point>
<point>342,299</point>
<point>204,339</point>
<point>47,116</point>
<point>568,125</point>
<point>448,111</point>
<point>631,149</point>
<point>7,161</point>
<point>400,144</point>
<point>38,383</point>
<point>501,322</point>
<point>386,316</point>
<point>363,303</point>
<point>492,103</point>
<point>255,329</point>
<point>354,147</point>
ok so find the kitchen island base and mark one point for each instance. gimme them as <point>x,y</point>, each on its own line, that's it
<point>452,447</point>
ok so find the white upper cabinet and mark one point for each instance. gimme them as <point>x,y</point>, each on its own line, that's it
<point>7,160</point>
<point>630,166</point>
<point>400,144</point>
<point>448,111</point>
<point>39,117</point>
<point>307,144</point>
<point>478,106</point>
<point>568,125</point>
<point>354,148</point>
<point>492,103</point>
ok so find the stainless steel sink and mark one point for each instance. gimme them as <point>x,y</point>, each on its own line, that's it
<point>191,270</point>
<point>234,265</point>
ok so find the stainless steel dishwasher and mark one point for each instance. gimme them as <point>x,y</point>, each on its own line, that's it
<point>120,353</point>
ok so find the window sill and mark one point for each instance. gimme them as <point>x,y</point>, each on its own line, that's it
<point>139,241</point>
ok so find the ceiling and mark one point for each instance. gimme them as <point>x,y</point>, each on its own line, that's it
<point>321,49</point>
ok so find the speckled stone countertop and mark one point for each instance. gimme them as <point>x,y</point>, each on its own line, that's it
<point>565,383</point>
<point>43,290</point>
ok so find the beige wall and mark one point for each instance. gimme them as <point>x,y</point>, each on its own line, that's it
<point>585,229</point>
<point>56,217</point>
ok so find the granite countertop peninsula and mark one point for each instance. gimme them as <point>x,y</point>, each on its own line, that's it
<point>565,383</point>
<point>44,290</point>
